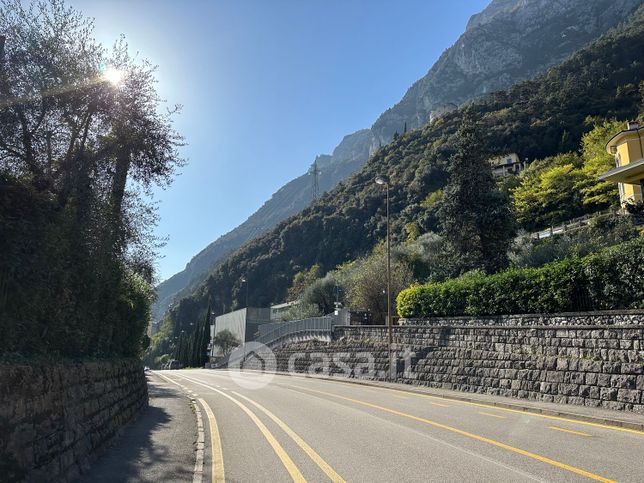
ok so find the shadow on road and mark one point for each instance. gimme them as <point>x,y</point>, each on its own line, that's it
<point>158,446</point>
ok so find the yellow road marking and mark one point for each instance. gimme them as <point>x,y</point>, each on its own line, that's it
<point>470,435</point>
<point>498,408</point>
<point>439,404</point>
<point>286,460</point>
<point>324,466</point>
<point>217,457</point>
<point>579,433</point>
<point>492,415</point>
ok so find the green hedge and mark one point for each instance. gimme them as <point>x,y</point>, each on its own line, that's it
<point>610,279</point>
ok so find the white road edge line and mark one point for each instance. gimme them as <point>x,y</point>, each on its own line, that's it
<point>197,476</point>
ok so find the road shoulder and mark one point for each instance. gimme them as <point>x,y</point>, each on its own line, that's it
<point>159,446</point>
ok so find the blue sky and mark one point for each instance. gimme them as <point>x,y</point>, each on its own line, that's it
<point>267,85</point>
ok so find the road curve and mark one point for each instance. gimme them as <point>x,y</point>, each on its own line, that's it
<point>285,428</point>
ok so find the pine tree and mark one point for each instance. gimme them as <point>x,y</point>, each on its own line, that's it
<point>474,215</point>
<point>405,128</point>
<point>205,338</point>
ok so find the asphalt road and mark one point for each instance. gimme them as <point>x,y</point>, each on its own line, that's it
<point>304,429</point>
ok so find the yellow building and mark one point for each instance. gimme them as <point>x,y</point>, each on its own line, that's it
<point>629,163</point>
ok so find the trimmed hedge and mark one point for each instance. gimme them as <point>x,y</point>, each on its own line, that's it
<point>610,279</point>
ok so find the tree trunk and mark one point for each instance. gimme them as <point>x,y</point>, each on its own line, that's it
<point>123,162</point>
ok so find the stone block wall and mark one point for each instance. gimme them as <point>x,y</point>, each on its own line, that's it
<point>55,418</point>
<point>591,359</point>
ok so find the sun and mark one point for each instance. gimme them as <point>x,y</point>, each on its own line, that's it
<point>113,75</point>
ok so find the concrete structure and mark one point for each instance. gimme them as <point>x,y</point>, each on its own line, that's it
<point>243,323</point>
<point>506,165</point>
<point>628,172</point>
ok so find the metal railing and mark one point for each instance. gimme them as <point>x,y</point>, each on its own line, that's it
<point>314,324</point>
<point>571,225</point>
<point>317,325</point>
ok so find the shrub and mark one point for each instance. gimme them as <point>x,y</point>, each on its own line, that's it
<point>610,279</point>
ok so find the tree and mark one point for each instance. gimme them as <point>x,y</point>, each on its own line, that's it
<point>203,338</point>
<point>302,280</point>
<point>226,341</point>
<point>547,193</point>
<point>366,282</point>
<point>594,192</point>
<point>322,294</point>
<point>301,311</point>
<point>474,216</point>
<point>426,256</point>
<point>76,155</point>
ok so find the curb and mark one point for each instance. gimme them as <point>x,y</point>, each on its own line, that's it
<point>198,472</point>
<point>616,422</point>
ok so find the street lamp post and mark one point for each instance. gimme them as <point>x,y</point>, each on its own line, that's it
<point>384,181</point>
<point>244,280</point>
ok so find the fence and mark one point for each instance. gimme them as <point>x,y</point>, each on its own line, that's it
<point>311,326</point>
<point>571,225</point>
<point>314,324</point>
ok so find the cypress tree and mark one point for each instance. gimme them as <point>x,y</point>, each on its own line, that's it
<point>474,215</point>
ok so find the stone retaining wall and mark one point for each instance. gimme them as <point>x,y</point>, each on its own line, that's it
<point>54,418</point>
<point>603,318</point>
<point>592,359</point>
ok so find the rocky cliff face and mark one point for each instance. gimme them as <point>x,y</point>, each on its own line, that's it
<point>509,41</point>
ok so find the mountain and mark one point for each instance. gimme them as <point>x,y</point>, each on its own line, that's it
<point>509,41</point>
<point>535,118</point>
<point>347,157</point>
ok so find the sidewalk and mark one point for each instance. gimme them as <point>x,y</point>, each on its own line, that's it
<point>156,447</point>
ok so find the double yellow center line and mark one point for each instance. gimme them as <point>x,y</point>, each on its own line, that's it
<point>463,433</point>
<point>288,463</point>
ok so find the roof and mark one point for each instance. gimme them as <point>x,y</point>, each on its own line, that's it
<point>615,139</point>
<point>630,173</point>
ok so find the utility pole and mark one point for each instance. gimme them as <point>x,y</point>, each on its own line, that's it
<point>244,280</point>
<point>382,180</point>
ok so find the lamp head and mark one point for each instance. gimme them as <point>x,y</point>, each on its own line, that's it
<point>382,180</point>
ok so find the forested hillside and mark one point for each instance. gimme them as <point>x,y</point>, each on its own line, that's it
<point>536,119</point>
<point>509,41</point>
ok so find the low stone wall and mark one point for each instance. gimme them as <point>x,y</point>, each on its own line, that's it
<point>54,418</point>
<point>591,359</point>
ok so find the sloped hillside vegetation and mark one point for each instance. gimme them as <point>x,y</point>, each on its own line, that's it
<point>507,42</point>
<point>536,119</point>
